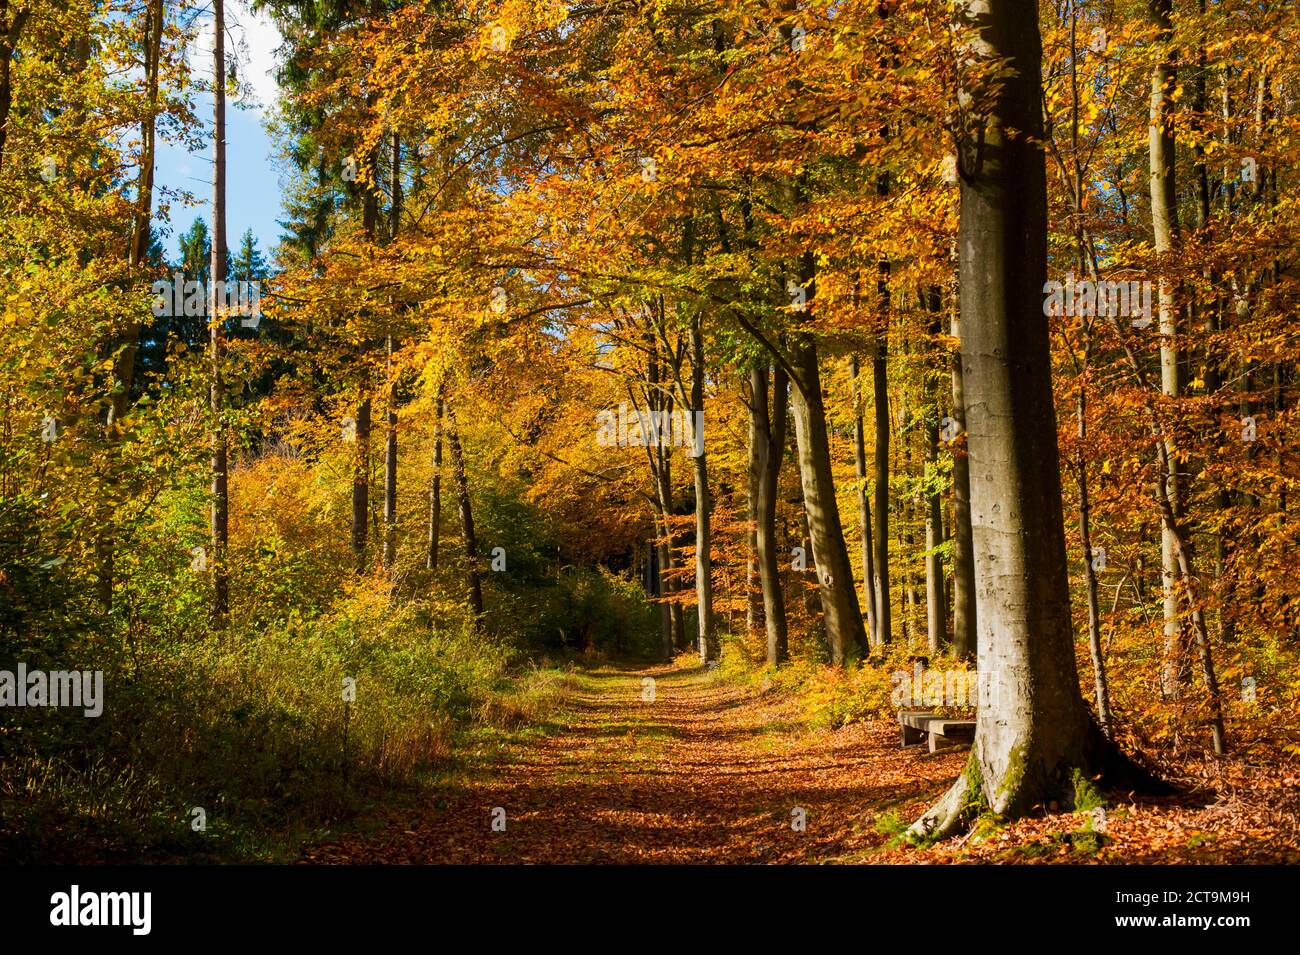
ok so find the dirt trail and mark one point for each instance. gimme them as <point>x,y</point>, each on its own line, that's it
<point>703,773</point>
<point>708,772</point>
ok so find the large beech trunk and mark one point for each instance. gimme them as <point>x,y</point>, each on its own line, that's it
<point>1034,734</point>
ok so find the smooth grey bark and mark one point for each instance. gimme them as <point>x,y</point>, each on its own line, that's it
<point>1033,730</point>
<point>767,449</point>
<point>1164,230</point>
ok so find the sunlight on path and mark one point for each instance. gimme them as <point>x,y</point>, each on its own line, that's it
<point>704,772</point>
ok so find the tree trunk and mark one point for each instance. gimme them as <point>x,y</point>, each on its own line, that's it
<point>216,320</point>
<point>767,437</point>
<point>964,629</point>
<point>361,485</point>
<point>708,634</point>
<point>1034,734</point>
<point>662,562</point>
<point>435,488</point>
<point>880,385</point>
<point>936,600</point>
<point>390,417</point>
<point>839,596</point>
<point>1084,264</point>
<point>473,579</point>
<point>864,505</point>
<point>137,246</point>
<point>1164,229</point>
<point>1100,682</point>
<point>10,30</point>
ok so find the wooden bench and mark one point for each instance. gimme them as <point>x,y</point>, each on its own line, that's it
<point>942,732</point>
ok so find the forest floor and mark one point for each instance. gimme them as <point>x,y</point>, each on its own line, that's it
<point>714,772</point>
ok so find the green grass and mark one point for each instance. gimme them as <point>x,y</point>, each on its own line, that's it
<point>254,731</point>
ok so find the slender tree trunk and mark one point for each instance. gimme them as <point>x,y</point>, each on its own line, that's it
<point>880,383</point>
<point>659,403</point>
<point>660,548</point>
<point>216,322</point>
<point>839,596</point>
<point>473,578</point>
<point>435,488</point>
<point>361,485</point>
<point>1212,325</point>
<point>1033,731</point>
<point>676,615</point>
<point>1164,228</point>
<point>137,247</point>
<point>708,634</point>
<point>1083,263</point>
<point>767,433</point>
<point>1100,682</point>
<point>864,505</point>
<point>753,589</point>
<point>936,600</point>
<point>138,244</point>
<point>361,467</point>
<point>11,29</point>
<point>964,629</point>
<point>390,467</point>
<point>390,417</point>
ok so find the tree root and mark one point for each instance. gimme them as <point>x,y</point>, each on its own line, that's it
<point>1103,761</point>
<point>949,816</point>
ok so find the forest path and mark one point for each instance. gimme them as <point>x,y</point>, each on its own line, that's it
<point>704,772</point>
